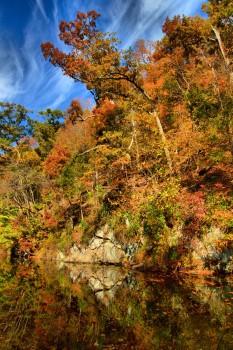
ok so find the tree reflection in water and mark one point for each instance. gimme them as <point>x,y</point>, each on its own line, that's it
<point>98,307</point>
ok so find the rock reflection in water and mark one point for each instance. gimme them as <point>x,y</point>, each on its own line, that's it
<point>78,307</point>
<point>103,280</point>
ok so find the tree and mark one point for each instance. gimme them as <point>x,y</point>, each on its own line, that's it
<point>53,117</point>
<point>201,66</point>
<point>220,17</point>
<point>95,60</point>
<point>74,113</point>
<point>14,124</point>
<point>44,132</point>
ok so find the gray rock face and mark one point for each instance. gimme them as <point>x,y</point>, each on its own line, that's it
<point>103,248</point>
<point>206,252</point>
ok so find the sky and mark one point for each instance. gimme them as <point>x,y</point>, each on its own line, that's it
<point>27,79</point>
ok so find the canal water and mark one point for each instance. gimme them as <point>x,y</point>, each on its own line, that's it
<point>79,307</point>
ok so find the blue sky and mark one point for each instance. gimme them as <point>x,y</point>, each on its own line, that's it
<point>26,78</point>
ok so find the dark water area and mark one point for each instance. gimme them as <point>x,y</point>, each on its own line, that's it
<point>76,307</point>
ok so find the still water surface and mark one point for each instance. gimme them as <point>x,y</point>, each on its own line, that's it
<point>74,307</point>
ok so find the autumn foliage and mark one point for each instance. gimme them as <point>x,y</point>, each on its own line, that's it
<point>153,158</point>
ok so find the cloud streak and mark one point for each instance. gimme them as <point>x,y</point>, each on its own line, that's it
<point>138,19</point>
<point>12,73</point>
<point>26,78</point>
<point>40,6</point>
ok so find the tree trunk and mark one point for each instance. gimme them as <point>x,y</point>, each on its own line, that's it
<point>228,68</point>
<point>164,140</point>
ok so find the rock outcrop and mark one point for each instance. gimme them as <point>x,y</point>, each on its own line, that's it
<point>102,249</point>
<point>207,252</point>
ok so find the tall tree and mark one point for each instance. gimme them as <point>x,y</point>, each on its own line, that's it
<point>201,63</point>
<point>95,60</point>
<point>45,132</point>
<point>14,124</point>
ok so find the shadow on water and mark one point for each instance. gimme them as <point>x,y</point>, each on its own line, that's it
<point>74,307</point>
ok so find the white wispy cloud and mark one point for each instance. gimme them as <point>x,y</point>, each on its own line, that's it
<point>27,78</point>
<point>12,73</point>
<point>40,6</point>
<point>55,12</point>
<point>133,20</point>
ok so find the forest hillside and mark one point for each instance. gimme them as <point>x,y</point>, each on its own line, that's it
<point>152,160</point>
